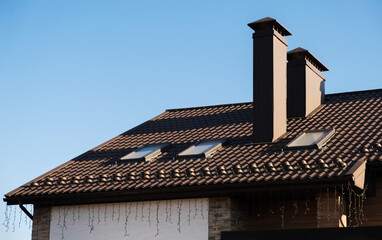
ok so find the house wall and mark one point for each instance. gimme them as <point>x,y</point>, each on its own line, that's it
<point>200,218</point>
<point>226,214</point>
<point>283,215</point>
<point>197,219</point>
<point>373,206</point>
<point>331,210</point>
<point>167,219</point>
<point>41,223</point>
<point>324,211</point>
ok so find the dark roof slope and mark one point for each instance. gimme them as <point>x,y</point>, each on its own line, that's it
<point>356,116</point>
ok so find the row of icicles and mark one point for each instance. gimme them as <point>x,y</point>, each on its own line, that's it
<point>350,203</point>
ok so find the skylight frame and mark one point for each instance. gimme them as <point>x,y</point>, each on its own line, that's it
<point>147,157</point>
<point>219,144</point>
<point>318,145</point>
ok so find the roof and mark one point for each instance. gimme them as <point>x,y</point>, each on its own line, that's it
<point>356,116</point>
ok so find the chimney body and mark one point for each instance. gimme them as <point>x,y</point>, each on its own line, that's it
<point>269,79</point>
<point>306,83</point>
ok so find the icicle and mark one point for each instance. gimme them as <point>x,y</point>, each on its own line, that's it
<point>167,213</point>
<point>73,215</point>
<point>78,212</point>
<point>59,216</point>
<point>282,216</point>
<point>179,213</point>
<point>359,209</point>
<point>170,212</point>
<point>98,214</point>
<point>65,215</point>
<point>20,217</point>
<point>271,210</point>
<point>119,212</point>
<point>26,219</point>
<point>295,205</point>
<point>355,210</point>
<point>136,211</point>
<point>202,208</point>
<point>142,215</point>
<point>89,215</point>
<point>63,228</point>
<point>14,220</point>
<point>362,204</point>
<point>271,203</point>
<point>350,205</point>
<point>342,200</point>
<point>306,206</point>
<point>157,218</point>
<point>112,214</point>
<point>189,212</point>
<point>318,199</point>
<point>259,208</point>
<point>127,214</point>
<point>6,217</point>
<point>335,202</point>
<point>216,215</point>
<point>30,220</point>
<point>149,216</point>
<point>9,218</point>
<point>328,203</point>
<point>105,213</point>
<point>92,220</point>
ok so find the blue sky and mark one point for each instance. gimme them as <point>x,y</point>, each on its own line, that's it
<point>74,74</point>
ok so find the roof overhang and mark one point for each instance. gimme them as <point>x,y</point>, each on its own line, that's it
<point>180,192</point>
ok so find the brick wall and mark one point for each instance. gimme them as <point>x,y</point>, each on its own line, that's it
<point>219,217</point>
<point>239,215</point>
<point>41,223</point>
<point>226,214</point>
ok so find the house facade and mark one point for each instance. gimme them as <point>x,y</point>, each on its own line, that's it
<point>294,158</point>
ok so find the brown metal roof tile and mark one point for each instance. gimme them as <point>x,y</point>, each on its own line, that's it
<point>355,116</point>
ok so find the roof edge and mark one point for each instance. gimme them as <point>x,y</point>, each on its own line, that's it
<point>175,192</point>
<point>208,106</point>
<point>243,103</point>
<point>47,173</point>
<point>351,92</point>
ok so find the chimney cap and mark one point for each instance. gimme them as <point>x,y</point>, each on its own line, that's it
<point>301,53</point>
<point>269,23</point>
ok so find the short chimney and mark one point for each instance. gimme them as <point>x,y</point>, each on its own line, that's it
<point>305,84</point>
<point>269,79</point>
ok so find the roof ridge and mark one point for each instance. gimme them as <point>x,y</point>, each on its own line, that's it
<point>243,103</point>
<point>209,106</point>
<point>353,92</point>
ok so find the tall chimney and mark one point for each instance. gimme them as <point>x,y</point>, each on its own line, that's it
<point>269,79</point>
<point>306,83</point>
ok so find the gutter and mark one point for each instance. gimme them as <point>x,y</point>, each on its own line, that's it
<point>216,190</point>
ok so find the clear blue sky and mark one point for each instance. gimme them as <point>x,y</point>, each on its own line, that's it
<point>74,74</point>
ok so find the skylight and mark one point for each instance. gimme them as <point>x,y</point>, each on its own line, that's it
<point>312,139</point>
<point>145,153</point>
<point>201,149</point>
